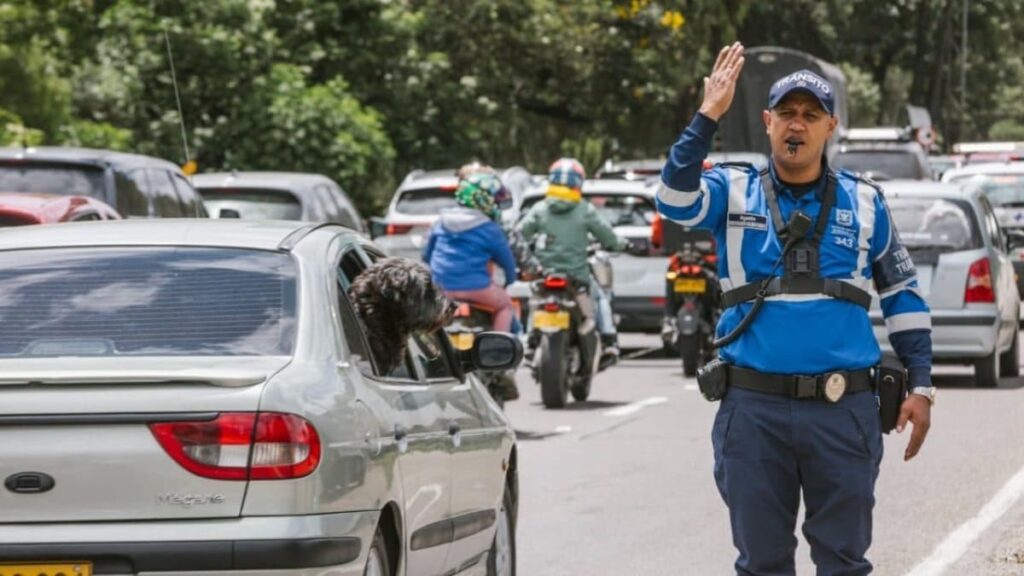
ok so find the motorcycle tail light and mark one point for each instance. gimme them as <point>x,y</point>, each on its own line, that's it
<point>556,282</point>
<point>552,307</point>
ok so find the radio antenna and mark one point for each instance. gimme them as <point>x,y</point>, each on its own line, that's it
<point>177,97</point>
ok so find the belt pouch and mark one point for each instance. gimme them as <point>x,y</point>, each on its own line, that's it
<point>891,384</point>
<point>713,380</point>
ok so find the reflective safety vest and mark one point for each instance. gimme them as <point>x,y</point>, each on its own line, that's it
<point>801,255</point>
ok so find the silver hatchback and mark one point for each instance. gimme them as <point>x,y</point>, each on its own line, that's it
<point>199,397</point>
<point>964,273</point>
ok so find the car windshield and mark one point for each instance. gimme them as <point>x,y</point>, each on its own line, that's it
<point>935,223</point>
<point>146,302</point>
<point>251,203</point>
<point>426,201</point>
<point>880,164</point>
<point>62,179</point>
<point>616,209</point>
<point>1001,189</point>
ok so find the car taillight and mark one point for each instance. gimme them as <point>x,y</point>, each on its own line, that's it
<point>555,282</point>
<point>398,229</point>
<point>242,446</point>
<point>979,283</point>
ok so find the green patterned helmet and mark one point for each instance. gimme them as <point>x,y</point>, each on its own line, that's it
<point>482,191</point>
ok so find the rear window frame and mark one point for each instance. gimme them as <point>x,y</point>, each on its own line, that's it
<point>291,310</point>
<point>100,193</point>
<point>964,204</point>
<point>400,196</point>
<point>299,202</point>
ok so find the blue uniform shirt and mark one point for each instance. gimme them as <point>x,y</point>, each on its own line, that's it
<point>800,334</point>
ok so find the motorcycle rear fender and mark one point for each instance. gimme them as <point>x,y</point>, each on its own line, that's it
<point>688,321</point>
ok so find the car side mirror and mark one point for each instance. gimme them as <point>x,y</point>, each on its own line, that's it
<point>1014,239</point>
<point>492,351</point>
<point>378,227</point>
<point>228,213</point>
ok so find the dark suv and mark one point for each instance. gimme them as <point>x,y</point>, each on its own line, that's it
<point>882,154</point>
<point>137,186</point>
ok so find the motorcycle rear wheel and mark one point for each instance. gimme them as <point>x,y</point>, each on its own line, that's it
<point>553,371</point>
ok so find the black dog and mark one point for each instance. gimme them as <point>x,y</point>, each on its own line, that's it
<point>396,298</point>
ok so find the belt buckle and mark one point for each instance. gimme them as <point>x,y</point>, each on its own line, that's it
<point>806,387</point>
<point>835,387</point>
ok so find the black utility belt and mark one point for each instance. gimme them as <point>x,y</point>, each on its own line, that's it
<point>831,386</point>
<point>888,382</point>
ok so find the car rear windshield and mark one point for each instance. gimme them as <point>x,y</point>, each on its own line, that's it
<point>63,179</point>
<point>146,302</point>
<point>1001,189</point>
<point>251,203</point>
<point>426,201</point>
<point>935,224</point>
<point>881,164</point>
<point>616,209</point>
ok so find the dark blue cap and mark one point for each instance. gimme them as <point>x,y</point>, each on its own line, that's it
<point>803,81</point>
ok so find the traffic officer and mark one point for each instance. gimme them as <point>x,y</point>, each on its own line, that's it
<point>798,247</point>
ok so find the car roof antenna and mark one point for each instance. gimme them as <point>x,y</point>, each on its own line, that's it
<point>177,99</point>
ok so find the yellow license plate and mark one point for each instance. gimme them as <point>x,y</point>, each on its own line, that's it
<point>64,569</point>
<point>556,320</point>
<point>691,285</point>
<point>462,341</point>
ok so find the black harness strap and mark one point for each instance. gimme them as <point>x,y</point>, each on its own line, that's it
<point>832,287</point>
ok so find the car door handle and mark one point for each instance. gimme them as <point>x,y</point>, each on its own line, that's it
<point>400,433</point>
<point>454,428</point>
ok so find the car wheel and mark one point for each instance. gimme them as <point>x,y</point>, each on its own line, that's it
<point>377,561</point>
<point>1009,361</point>
<point>986,371</point>
<point>501,560</point>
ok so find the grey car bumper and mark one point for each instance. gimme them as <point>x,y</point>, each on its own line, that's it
<point>302,543</point>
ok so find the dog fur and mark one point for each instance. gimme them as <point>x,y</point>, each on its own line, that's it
<point>396,298</point>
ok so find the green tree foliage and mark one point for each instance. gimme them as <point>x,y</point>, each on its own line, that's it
<point>365,90</point>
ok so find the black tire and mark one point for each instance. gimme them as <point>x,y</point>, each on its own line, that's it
<point>553,371</point>
<point>689,351</point>
<point>1009,361</point>
<point>986,371</point>
<point>377,560</point>
<point>501,559</point>
<point>581,390</point>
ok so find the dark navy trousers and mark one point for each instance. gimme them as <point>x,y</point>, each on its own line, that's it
<point>769,449</point>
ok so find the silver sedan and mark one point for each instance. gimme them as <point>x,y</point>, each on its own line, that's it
<point>198,397</point>
<point>964,273</point>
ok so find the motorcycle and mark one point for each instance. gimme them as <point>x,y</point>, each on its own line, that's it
<point>568,344</point>
<point>468,321</point>
<point>692,289</point>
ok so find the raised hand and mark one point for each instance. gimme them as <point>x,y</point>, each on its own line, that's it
<point>720,86</point>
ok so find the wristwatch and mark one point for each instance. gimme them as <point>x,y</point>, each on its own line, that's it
<point>926,391</point>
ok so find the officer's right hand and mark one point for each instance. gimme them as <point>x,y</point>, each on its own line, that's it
<point>720,86</point>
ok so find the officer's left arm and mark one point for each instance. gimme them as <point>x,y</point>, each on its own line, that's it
<point>907,319</point>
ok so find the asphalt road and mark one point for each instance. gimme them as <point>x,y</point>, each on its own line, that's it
<point>621,485</point>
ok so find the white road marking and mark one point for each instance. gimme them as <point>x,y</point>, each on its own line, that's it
<point>958,541</point>
<point>690,387</point>
<point>563,429</point>
<point>636,406</point>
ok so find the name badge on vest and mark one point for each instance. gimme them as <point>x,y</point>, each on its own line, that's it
<point>750,221</point>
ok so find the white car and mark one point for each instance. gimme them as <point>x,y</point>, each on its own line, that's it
<point>963,272</point>
<point>1003,183</point>
<point>418,202</point>
<point>639,281</point>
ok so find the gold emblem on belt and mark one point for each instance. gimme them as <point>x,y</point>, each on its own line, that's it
<point>835,387</point>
